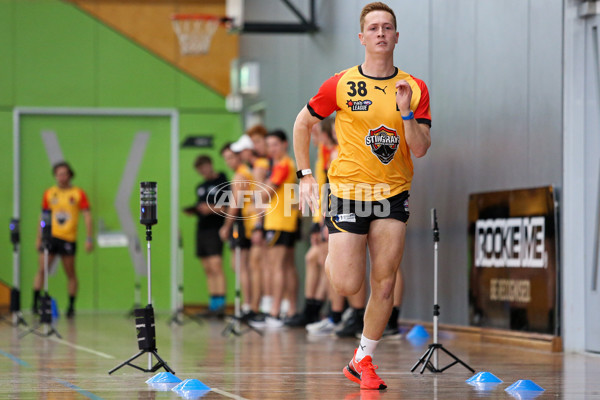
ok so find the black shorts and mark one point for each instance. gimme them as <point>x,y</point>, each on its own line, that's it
<point>280,238</point>
<point>355,216</point>
<point>208,243</point>
<point>243,241</point>
<point>60,247</point>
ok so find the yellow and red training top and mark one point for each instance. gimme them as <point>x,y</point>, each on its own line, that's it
<point>370,132</point>
<point>65,205</point>
<point>282,215</point>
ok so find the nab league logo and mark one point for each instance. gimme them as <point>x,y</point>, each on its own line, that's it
<point>384,143</point>
<point>359,105</point>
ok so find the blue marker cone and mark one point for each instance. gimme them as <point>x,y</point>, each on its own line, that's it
<point>484,377</point>
<point>164,377</point>
<point>417,332</point>
<point>484,381</point>
<point>190,385</point>
<point>524,385</point>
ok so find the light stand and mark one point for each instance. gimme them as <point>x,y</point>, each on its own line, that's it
<point>235,321</point>
<point>45,301</point>
<point>144,317</point>
<point>432,350</point>
<point>15,293</point>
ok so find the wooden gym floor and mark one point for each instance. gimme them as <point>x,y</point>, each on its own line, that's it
<point>279,365</point>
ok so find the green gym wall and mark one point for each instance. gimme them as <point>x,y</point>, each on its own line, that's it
<point>55,55</point>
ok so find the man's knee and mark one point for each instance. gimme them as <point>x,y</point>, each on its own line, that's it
<point>342,283</point>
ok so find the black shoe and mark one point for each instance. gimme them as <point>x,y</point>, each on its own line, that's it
<point>353,327</point>
<point>256,320</point>
<point>298,320</point>
<point>71,313</point>
<point>251,316</point>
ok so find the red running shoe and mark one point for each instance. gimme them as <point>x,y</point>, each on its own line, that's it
<point>363,373</point>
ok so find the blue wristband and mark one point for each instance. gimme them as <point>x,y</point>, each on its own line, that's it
<point>410,116</point>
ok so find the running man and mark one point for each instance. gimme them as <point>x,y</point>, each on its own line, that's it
<point>382,118</point>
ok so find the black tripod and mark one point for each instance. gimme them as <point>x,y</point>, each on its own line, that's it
<point>144,317</point>
<point>45,321</point>
<point>234,326</point>
<point>15,293</point>
<point>432,350</point>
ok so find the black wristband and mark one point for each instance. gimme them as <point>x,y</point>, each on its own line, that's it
<point>303,172</point>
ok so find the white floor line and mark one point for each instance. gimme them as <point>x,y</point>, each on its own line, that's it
<point>307,373</point>
<point>227,394</point>
<point>75,346</point>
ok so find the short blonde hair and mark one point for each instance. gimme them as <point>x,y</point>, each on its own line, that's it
<point>376,6</point>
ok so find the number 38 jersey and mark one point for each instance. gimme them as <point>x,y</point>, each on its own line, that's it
<point>370,132</point>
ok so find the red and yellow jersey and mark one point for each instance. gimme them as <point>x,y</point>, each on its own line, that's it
<point>370,132</point>
<point>65,205</point>
<point>282,215</point>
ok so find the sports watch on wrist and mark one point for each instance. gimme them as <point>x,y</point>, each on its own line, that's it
<point>303,172</point>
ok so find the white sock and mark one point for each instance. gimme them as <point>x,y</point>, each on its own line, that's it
<point>284,307</point>
<point>265,304</point>
<point>365,348</point>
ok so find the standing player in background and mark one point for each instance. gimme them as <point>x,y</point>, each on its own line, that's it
<point>280,225</point>
<point>65,201</point>
<point>382,117</point>
<point>259,166</point>
<point>209,247</point>
<point>236,215</point>
<point>261,170</point>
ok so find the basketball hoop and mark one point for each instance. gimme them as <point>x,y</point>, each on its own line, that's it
<point>195,31</point>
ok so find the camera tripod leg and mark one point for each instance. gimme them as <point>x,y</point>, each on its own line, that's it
<point>425,355</point>
<point>456,361</point>
<point>427,364</point>
<point>18,319</point>
<point>160,363</point>
<point>128,362</point>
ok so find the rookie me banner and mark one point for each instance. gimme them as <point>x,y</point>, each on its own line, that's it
<point>513,265</point>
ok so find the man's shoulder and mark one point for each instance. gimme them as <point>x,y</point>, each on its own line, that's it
<point>408,76</point>
<point>346,72</point>
<point>78,190</point>
<point>222,178</point>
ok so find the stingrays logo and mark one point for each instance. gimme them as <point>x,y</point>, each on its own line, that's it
<point>383,142</point>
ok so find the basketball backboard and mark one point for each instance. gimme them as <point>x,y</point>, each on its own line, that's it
<point>235,10</point>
